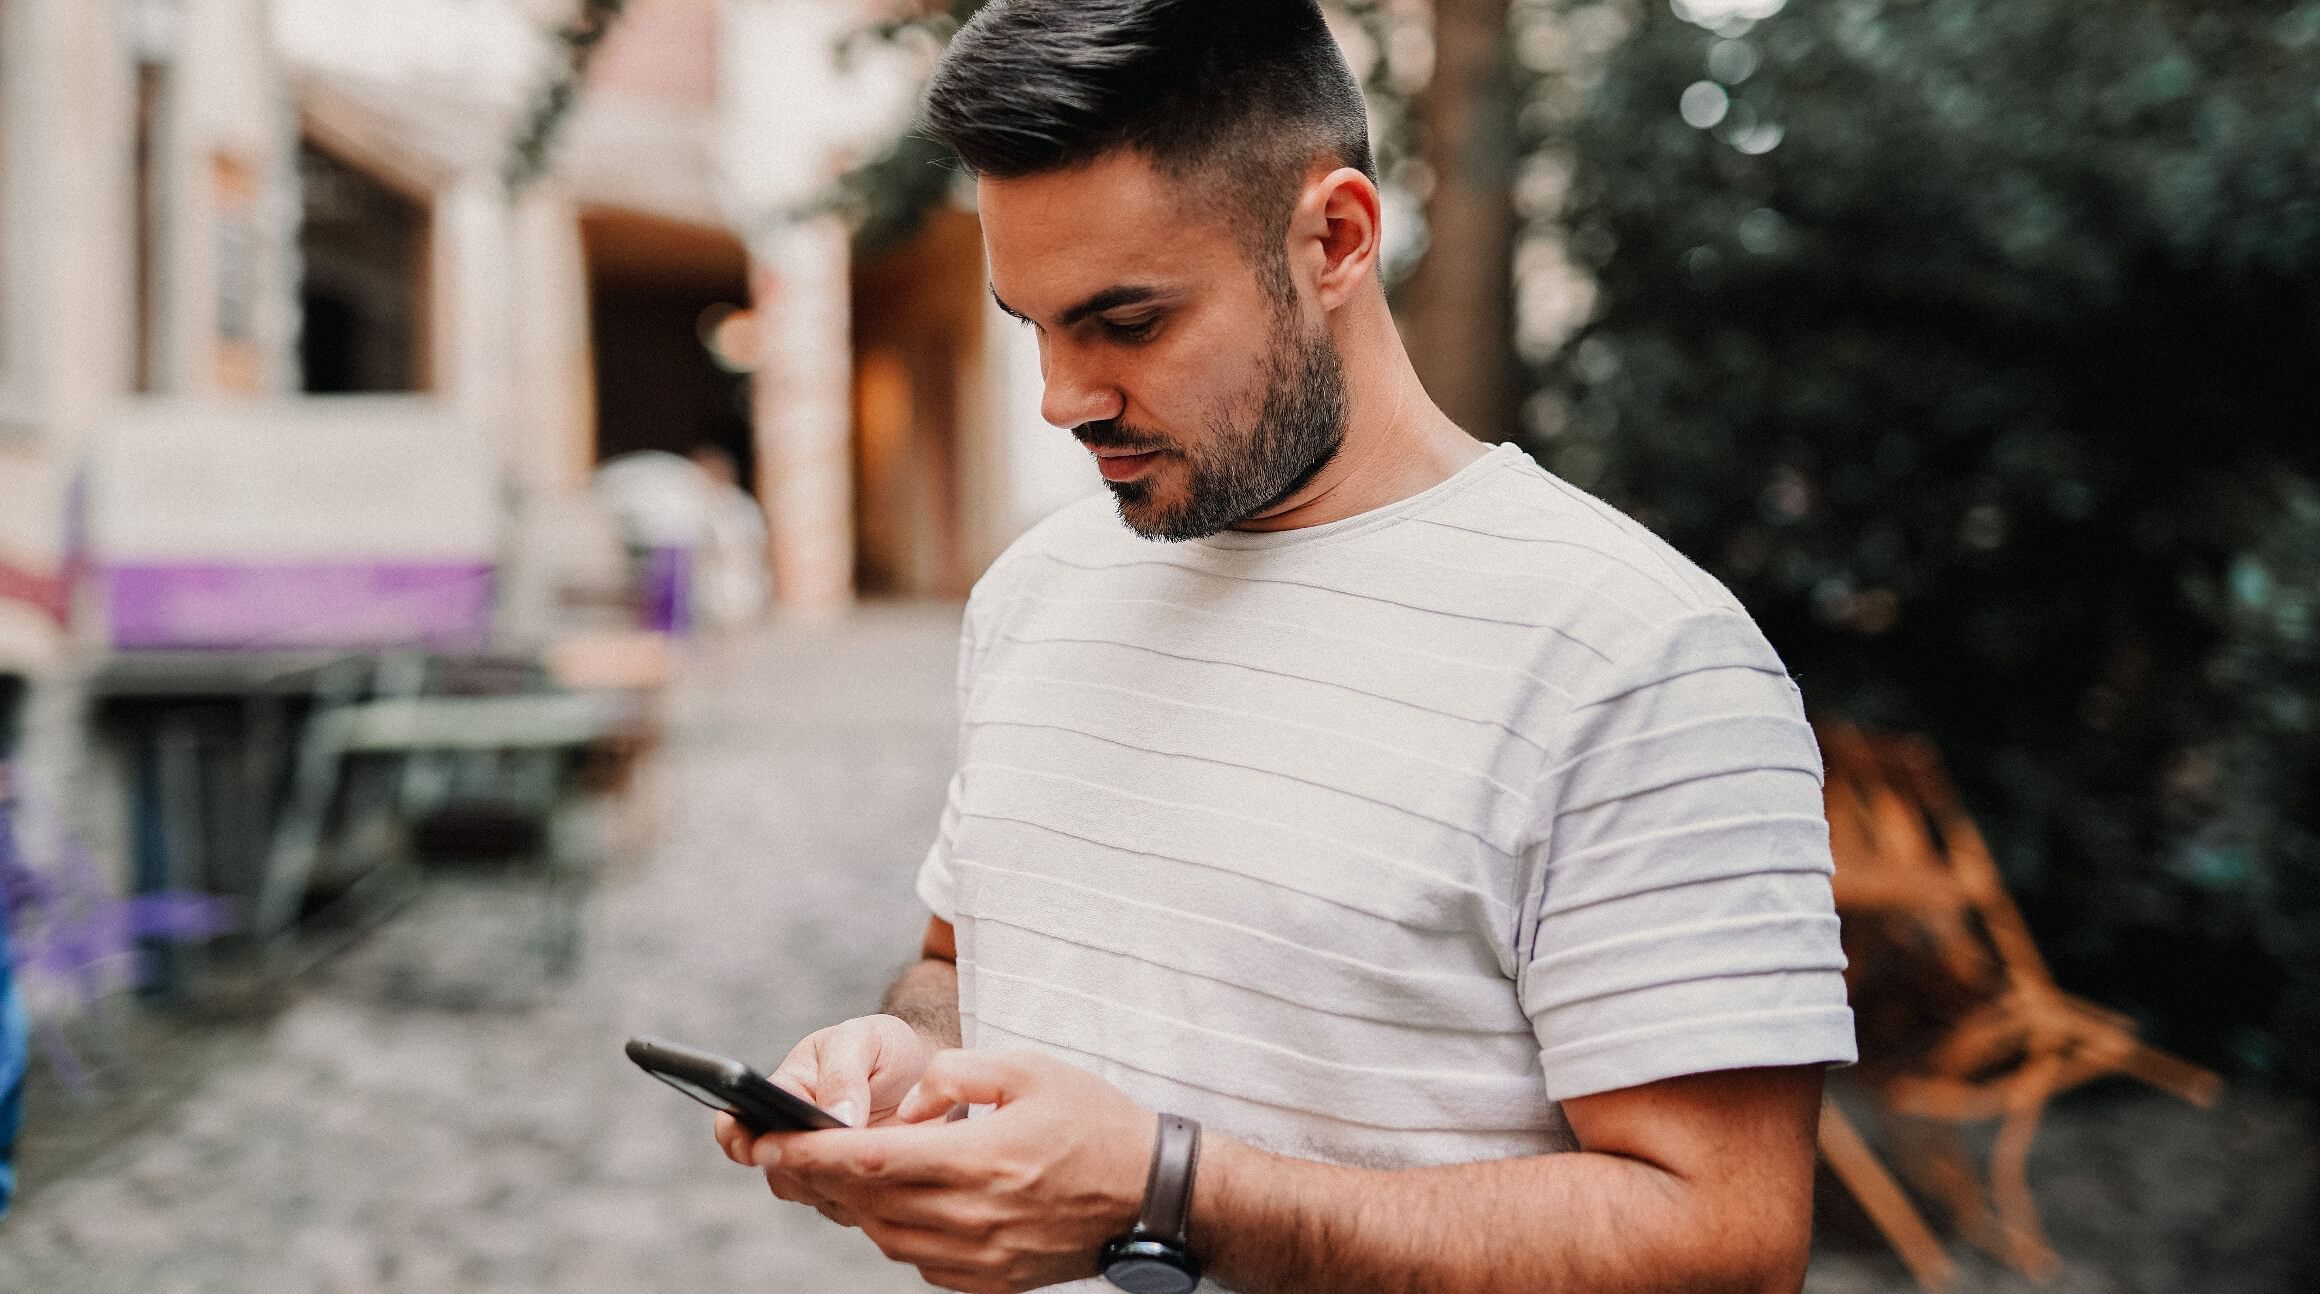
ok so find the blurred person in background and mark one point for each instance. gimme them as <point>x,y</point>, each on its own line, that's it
<point>729,571</point>
<point>1447,846</point>
<point>697,540</point>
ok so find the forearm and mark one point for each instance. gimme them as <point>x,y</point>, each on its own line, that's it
<point>1577,1223</point>
<point>926,997</point>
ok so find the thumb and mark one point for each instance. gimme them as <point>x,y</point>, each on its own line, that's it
<point>959,1077</point>
<point>802,1077</point>
<point>847,1062</point>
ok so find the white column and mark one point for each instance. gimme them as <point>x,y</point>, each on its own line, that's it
<point>802,408</point>
<point>471,343</point>
<point>551,365</point>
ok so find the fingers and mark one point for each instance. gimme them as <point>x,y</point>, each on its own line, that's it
<point>940,1250</point>
<point>897,1155</point>
<point>955,1078</point>
<point>788,1187</point>
<point>847,1062</point>
<point>833,1068</point>
<point>734,1139</point>
<point>964,1282</point>
<point>950,1210</point>
<point>800,1072</point>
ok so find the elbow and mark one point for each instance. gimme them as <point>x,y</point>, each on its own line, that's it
<point>1771,1261</point>
<point>1787,1277</point>
<point>1731,1275</point>
<point>1776,1268</point>
<point>1772,1235</point>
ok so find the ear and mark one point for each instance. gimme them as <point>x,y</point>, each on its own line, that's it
<point>1334,233</point>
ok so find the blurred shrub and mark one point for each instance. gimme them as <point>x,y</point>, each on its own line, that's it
<point>1974,343</point>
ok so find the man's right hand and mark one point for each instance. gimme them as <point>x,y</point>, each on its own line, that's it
<point>858,1070</point>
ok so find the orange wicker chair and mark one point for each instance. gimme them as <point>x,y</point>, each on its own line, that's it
<point>1960,1020</point>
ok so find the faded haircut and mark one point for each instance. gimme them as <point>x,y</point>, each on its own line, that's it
<point>1235,98</point>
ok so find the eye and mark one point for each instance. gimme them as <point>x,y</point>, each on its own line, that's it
<point>1131,331</point>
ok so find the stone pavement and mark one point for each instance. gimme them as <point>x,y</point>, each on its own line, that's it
<point>430,1114</point>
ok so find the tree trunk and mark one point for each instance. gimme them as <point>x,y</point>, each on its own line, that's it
<point>1457,307</point>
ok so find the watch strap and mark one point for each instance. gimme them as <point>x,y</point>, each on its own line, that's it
<point>1167,1211</point>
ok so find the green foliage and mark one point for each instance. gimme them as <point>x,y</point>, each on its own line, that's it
<point>1972,342</point>
<point>578,41</point>
<point>888,195</point>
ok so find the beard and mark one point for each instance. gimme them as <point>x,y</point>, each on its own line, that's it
<point>1242,470</point>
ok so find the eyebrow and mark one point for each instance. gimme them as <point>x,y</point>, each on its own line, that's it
<point>1111,298</point>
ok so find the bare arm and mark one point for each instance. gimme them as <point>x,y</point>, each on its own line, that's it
<point>1700,1184</point>
<point>926,996</point>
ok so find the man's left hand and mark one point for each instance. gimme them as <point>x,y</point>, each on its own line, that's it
<point>1018,1198</point>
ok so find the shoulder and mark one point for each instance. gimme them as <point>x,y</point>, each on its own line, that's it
<point>1619,604</point>
<point>1521,516</point>
<point>1072,528</point>
<point>1076,528</point>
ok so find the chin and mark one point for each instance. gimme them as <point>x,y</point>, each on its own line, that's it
<point>1148,516</point>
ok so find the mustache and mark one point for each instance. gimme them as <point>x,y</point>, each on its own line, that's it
<point>1112,434</point>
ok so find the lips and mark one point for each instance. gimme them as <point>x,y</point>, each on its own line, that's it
<point>1121,465</point>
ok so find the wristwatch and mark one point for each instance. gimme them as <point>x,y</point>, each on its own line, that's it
<point>1153,1258</point>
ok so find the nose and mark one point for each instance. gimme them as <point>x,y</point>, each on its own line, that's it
<point>1076,391</point>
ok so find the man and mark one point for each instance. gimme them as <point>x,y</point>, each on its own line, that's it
<point>1443,843</point>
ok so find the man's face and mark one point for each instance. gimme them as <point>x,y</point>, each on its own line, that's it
<point>1207,396</point>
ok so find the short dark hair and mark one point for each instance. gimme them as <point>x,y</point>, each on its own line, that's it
<point>1246,92</point>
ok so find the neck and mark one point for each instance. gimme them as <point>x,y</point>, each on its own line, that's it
<point>1397,441</point>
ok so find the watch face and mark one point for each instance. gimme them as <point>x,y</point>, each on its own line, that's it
<point>1150,1276</point>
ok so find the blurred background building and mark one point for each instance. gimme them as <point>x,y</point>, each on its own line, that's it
<point>319,318</point>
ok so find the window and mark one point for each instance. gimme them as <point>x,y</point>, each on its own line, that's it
<point>145,174</point>
<point>362,295</point>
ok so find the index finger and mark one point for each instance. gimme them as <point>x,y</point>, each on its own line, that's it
<point>732,1137</point>
<point>919,1154</point>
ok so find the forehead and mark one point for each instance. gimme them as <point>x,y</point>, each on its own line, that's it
<point>1055,238</point>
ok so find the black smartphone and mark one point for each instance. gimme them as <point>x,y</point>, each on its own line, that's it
<point>724,1084</point>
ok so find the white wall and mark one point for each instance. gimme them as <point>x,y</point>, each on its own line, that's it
<point>792,116</point>
<point>348,477</point>
<point>484,50</point>
<point>1045,467</point>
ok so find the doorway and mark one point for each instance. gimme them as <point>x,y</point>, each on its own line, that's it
<point>362,292</point>
<point>657,289</point>
<point>917,339</point>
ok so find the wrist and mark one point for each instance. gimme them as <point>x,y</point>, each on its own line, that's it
<point>1223,1163</point>
<point>1131,1176</point>
<point>1152,1255</point>
<point>926,998</point>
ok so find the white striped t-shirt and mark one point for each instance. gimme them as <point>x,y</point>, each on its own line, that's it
<point>1370,842</point>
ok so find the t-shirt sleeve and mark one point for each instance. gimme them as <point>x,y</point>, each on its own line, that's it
<point>1678,916</point>
<point>937,883</point>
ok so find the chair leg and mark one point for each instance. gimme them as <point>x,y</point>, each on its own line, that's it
<point>1934,1157</point>
<point>2176,1077</point>
<point>2026,1246</point>
<point>1856,1166</point>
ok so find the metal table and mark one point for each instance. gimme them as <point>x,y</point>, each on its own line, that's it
<point>209,737</point>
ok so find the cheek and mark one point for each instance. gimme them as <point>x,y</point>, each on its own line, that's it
<point>1195,385</point>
